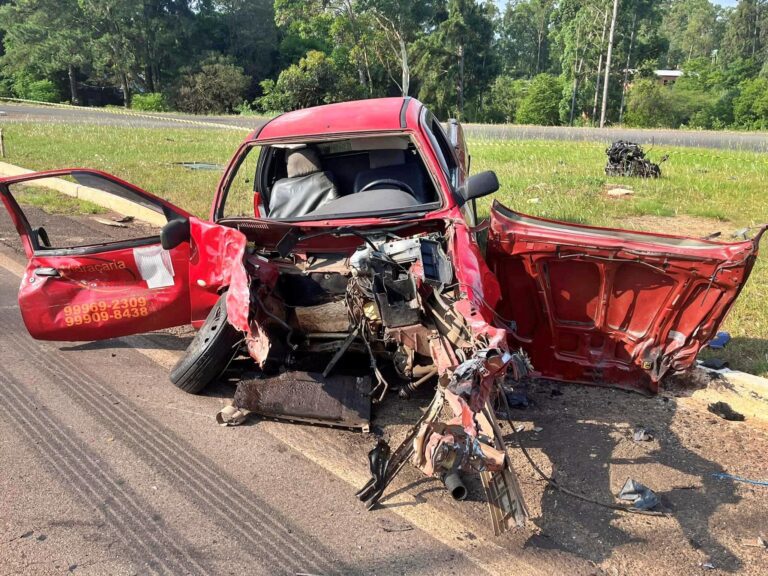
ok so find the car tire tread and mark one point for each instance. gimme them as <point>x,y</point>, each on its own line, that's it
<point>209,353</point>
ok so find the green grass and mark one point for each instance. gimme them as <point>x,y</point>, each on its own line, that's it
<point>54,203</point>
<point>560,180</point>
<point>568,179</point>
<point>142,156</point>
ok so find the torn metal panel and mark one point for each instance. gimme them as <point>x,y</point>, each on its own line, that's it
<point>342,401</point>
<point>612,307</point>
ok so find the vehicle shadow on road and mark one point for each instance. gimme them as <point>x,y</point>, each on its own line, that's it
<point>153,341</point>
<point>587,436</point>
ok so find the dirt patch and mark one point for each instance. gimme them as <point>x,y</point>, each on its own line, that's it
<point>585,440</point>
<point>683,225</point>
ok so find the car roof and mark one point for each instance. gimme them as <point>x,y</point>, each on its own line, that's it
<point>373,115</point>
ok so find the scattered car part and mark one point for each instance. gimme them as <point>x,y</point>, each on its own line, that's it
<point>231,416</point>
<point>628,159</point>
<point>209,353</point>
<point>758,542</point>
<point>720,341</point>
<point>642,497</point>
<point>643,435</point>
<point>113,223</point>
<point>339,401</point>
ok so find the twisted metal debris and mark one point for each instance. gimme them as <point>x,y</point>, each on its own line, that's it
<point>628,159</point>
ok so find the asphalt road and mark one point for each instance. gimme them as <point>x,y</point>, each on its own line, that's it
<point>754,141</point>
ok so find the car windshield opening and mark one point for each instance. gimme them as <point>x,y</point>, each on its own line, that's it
<point>341,178</point>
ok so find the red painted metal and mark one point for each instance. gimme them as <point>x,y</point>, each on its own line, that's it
<point>216,259</point>
<point>100,296</point>
<point>606,306</point>
<point>342,118</point>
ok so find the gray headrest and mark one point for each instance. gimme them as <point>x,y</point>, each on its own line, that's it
<point>303,162</point>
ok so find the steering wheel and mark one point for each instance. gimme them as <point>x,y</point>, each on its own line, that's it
<point>389,182</point>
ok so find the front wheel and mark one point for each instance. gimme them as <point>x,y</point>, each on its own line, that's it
<point>209,353</point>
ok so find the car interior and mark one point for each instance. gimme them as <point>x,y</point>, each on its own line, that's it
<point>368,175</point>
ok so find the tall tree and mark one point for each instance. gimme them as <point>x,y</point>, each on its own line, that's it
<point>163,29</point>
<point>692,28</point>
<point>341,19</point>
<point>393,25</point>
<point>521,46</point>
<point>113,26</point>
<point>45,37</point>
<point>579,28</point>
<point>456,63</point>
<point>251,35</point>
<point>746,32</point>
<point>609,54</point>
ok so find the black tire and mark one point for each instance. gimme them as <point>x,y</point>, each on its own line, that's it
<point>209,353</point>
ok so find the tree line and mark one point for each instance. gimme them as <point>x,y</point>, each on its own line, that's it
<point>577,62</point>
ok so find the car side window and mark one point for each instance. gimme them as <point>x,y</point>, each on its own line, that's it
<point>84,210</point>
<point>239,199</point>
<point>440,142</point>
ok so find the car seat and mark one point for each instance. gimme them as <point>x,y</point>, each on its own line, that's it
<point>306,188</point>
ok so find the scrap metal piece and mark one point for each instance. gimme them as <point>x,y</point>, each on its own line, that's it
<point>232,416</point>
<point>373,490</point>
<point>342,350</point>
<point>378,461</point>
<point>502,490</point>
<point>505,510</point>
<point>642,497</point>
<point>724,410</point>
<point>339,401</point>
<point>628,159</point>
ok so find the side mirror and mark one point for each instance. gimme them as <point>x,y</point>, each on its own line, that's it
<point>478,186</point>
<point>174,233</point>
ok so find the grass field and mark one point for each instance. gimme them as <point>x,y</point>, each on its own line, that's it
<point>702,191</point>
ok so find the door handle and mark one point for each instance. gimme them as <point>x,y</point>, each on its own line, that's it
<point>48,272</point>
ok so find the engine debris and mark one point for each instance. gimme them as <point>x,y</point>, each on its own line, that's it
<point>628,159</point>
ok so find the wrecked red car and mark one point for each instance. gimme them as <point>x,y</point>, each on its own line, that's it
<point>341,257</point>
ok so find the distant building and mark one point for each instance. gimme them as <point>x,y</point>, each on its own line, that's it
<point>664,77</point>
<point>668,77</point>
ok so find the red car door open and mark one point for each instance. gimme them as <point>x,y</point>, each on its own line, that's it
<point>605,306</point>
<point>77,286</point>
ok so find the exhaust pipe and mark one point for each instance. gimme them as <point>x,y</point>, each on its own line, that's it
<point>455,486</point>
